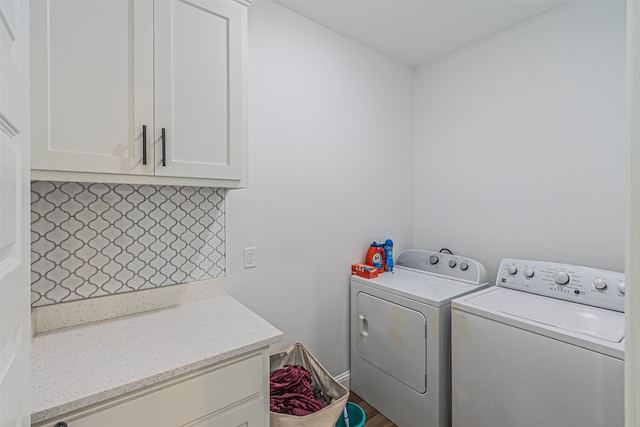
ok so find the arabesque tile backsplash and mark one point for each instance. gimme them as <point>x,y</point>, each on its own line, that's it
<point>90,240</point>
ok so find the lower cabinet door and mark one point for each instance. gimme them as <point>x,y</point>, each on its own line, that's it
<point>249,415</point>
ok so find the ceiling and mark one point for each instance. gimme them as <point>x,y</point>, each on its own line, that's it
<point>416,31</point>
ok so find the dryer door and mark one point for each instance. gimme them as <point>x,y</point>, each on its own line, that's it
<point>393,338</point>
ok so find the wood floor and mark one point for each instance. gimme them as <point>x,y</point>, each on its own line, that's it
<point>374,418</point>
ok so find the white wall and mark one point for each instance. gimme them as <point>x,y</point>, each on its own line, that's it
<point>330,140</point>
<point>520,142</point>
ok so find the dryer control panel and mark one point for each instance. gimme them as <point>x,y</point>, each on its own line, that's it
<point>445,265</point>
<point>585,285</point>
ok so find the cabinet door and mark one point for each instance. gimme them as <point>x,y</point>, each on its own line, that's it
<point>92,85</point>
<point>248,415</point>
<point>199,88</point>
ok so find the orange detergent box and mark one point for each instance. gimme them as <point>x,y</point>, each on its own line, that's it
<point>363,270</point>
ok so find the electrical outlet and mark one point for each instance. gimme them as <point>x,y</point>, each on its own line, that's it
<point>250,257</point>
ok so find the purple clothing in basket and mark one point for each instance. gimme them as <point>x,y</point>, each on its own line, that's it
<point>291,391</point>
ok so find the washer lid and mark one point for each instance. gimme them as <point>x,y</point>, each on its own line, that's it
<point>595,322</point>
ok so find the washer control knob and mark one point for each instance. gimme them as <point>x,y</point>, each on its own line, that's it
<point>561,278</point>
<point>433,259</point>
<point>621,287</point>
<point>464,266</point>
<point>452,263</point>
<point>528,272</point>
<point>599,284</point>
<point>512,269</point>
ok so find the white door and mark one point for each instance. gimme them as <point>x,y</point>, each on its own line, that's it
<point>632,266</point>
<point>92,85</point>
<point>393,338</point>
<point>15,329</point>
<point>199,80</point>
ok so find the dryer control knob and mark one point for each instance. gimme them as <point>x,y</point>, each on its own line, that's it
<point>561,278</point>
<point>464,266</point>
<point>512,269</point>
<point>452,263</point>
<point>433,259</point>
<point>599,284</point>
<point>528,272</point>
<point>621,287</point>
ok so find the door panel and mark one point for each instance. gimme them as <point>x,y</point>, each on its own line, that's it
<point>393,338</point>
<point>199,85</point>
<point>14,214</point>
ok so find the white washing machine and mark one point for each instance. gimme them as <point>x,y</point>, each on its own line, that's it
<point>543,348</point>
<point>400,335</point>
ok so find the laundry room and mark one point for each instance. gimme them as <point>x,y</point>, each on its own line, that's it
<point>510,146</point>
<point>491,129</point>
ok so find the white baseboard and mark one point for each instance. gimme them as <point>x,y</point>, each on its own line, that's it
<point>344,379</point>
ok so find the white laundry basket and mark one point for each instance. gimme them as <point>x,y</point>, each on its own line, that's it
<point>297,354</point>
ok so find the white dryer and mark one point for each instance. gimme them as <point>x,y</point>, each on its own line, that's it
<point>400,335</point>
<point>543,348</point>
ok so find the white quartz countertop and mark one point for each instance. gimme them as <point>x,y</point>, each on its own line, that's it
<point>76,367</point>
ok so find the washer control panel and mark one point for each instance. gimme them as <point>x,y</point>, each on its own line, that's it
<point>445,265</point>
<point>585,285</point>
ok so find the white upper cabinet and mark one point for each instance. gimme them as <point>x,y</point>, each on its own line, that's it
<point>139,91</point>
<point>198,87</point>
<point>91,85</point>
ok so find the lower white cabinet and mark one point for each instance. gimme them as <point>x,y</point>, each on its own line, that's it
<point>248,415</point>
<point>233,393</point>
